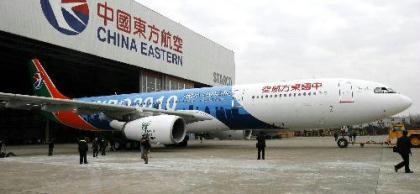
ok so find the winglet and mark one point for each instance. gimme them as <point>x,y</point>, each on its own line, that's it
<point>42,84</point>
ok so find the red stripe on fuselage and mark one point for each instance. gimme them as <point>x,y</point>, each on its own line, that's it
<point>74,120</point>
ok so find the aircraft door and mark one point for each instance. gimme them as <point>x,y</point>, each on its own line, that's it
<point>237,97</point>
<point>345,91</point>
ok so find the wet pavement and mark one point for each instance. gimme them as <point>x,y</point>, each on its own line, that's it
<point>295,165</point>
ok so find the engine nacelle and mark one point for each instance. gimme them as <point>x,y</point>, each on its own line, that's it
<point>231,134</point>
<point>165,129</point>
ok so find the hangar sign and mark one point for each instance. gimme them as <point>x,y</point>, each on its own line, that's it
<point>168,49</point>
<point>132,33</point>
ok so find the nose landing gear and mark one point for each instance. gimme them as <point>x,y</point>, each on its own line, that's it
<point>342,142</point>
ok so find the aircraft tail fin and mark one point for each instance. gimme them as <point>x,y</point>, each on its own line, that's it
<point>42,84</point>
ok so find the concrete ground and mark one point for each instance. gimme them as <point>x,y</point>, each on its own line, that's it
<point>296,165</point>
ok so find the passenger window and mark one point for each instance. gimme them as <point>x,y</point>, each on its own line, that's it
<point>304,93</point>
<point>299,94</point>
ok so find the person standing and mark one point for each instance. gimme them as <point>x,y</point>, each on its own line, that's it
<point>1,145</point>
<point>261,146</point>
<point>95,147</point>
<point>104,144</point>
<point>350,134</point>
<point>145,148</point>
<point>404,149</point>
<point>83,149</point>
<point>344,130</point>
<point>112,145</point>
<point>2,152</point>
<point>51,147</point>
<point>354,135</point>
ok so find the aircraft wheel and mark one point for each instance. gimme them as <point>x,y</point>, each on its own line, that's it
<point>342,143</point>
<point>118,145</point>
<point>128,145</point>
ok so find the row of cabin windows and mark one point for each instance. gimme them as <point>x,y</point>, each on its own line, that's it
<point>177,101</point>
<point>289,95</point>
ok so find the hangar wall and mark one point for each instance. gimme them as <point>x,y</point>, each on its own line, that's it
<point>123,31</point>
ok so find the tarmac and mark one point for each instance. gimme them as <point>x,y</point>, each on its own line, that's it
<point>294,165</point>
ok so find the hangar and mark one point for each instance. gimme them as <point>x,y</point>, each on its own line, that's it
<point>99,47</point>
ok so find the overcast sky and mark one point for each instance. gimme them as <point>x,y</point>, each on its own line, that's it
<point>273,40</point>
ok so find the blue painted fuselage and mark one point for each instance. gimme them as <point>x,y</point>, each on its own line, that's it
<point>216,101</point>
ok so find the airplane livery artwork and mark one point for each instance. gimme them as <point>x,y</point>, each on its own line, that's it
<point>167,115</point>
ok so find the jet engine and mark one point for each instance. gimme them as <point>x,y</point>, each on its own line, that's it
<point>165,129</point>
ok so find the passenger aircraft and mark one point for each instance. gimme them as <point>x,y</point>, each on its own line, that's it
<point>167,116</point>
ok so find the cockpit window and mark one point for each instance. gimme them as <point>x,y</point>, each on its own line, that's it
<point>383,90</point>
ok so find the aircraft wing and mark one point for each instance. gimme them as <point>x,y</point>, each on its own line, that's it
<point>114,111</point>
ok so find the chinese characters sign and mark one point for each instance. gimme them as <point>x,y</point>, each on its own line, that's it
<point>297,87</point>
<point>138,35</point>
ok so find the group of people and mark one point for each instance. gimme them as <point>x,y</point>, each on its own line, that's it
<point>99,146</point>
<point>83,148</point>
<point>102,144</point>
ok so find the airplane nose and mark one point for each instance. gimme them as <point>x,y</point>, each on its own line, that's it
<point>405,101</point>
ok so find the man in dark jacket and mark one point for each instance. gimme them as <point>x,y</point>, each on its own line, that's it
<point>83,149</point>
<point>145,148</point>
<point>104,144</point>
<point>95,147</point>
<point>261,146</point>
<point>404,149</point>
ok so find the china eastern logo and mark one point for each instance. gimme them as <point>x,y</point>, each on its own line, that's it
<point>69,17</point>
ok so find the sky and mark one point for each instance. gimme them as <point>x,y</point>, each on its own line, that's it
<point>274,40</point>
